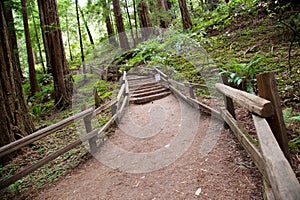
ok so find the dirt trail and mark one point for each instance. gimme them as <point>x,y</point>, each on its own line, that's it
<point>224,173</point>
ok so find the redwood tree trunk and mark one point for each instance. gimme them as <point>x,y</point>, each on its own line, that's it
<point>186,19</point>
<point>63,82</point>
<point>43,28</point>
<point>15,121</point>
<point>144,14</point>
<point>120,25</point>
<point>163,9</point>
<point>12,34</point>
<point>109,26</point>
<point>34,88</point>
<point>145,20</point>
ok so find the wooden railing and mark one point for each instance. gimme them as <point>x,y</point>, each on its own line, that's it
<point>91,134</point>
<point>271,154</point>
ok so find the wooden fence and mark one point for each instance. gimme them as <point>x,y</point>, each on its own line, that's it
<point>91,135</point>
<point>271,155</point>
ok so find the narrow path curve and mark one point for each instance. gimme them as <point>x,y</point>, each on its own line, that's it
<point>224,173</point>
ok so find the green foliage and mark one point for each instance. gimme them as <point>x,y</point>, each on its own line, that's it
<point>294,144</point>
<point>242,75</point>
<point>291,120</point>
<point>104,89</point>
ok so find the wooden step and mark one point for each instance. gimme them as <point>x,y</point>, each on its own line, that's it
<point>139,78</point>
<point>146,99</point>
<point>141,81</point>
<point>142,84</point>
<point>146,89</point>
<point>148,93</point>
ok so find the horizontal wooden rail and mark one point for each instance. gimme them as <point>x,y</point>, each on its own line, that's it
<point>205,108</point>
<point>104,107</point>
<point>171,81</point>
<point>11,147</point>
<point>161,73</point>
<point>30,169</point>
<point>281,176</point>
<point>241,134</point>
<point>253,103</point>
<point>204,87</point>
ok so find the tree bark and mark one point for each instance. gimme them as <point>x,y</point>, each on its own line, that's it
<point>162,4</point>
<point>120,25</point>
<point>109,26</point>
<point>186,19</point>
<point>63,82</point>
<point>80,36</point>
<point>145,20</point>
<point>34,88</point>
<point>43,29</point>
<point>144,14</point>
<point>12,34</point>
<point>15,121</point>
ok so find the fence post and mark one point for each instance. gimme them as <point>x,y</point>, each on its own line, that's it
<point>267,88</point>
<point>228,101</point>
<point>97,99</point>
<point>88,127</point>
<point>191,89</point>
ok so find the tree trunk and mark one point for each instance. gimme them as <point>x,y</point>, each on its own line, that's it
<point>87,27</point>
<point>12,34</point>
<point>63,82</point>
<point>34,88</point>
<point>130,24</point>
<point>109,26</point>
<point>80,36</point>
<point>120,25</point>
<point>144,14</point>
<point>163,10</point>
<point>186,19</point>
<point>145,20</point>
<point>38,42</point>
<point>135,19</point>
<point>43,28</point>
<point>15,121</point>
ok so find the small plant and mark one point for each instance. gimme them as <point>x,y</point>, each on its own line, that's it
<point>242,75</point>
<point>291,118</point>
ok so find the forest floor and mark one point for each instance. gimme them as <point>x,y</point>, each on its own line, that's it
<point>224,173</point>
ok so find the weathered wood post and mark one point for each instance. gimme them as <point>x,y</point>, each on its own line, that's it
<point>88,127</point>
<point>267,88</point>
<point>228,101</point>
<point>191,89</point>
<point>97,99</point>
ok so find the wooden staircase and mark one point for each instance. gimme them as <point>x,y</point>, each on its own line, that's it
<point>144,89</point>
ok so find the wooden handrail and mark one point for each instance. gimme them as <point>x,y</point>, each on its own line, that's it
<point>11,147</point>
<point>253,103</point>
<point>161,73</point>
<point>279,172</point>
